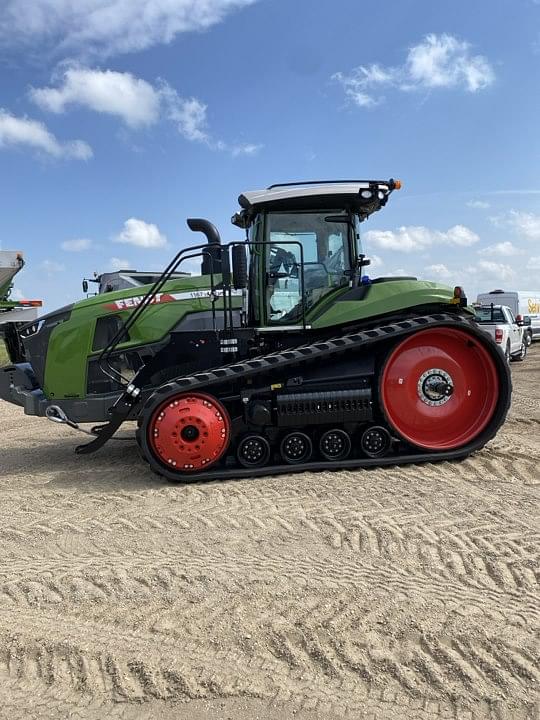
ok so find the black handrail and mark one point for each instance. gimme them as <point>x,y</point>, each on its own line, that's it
<point>147,299</point>
<point>103,360</point>
<point>389,183</point>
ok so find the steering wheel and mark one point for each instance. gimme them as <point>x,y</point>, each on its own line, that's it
<point>279,257</point>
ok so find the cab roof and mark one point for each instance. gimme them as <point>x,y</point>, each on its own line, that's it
<point>359,196</point>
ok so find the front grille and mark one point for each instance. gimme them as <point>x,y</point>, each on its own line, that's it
<point>317,408</point>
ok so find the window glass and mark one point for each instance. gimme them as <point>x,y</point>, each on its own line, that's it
<point>307,257</point>
<point>488,315</point>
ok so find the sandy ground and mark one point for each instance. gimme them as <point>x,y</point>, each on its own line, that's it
<point>388,594</point>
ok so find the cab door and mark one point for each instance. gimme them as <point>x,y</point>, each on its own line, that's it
<point>516,333</point>
<point>307,257</point>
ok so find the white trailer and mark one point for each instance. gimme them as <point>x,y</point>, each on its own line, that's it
<point>521,302</point>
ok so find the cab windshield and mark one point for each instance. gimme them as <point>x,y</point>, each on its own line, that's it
<point>308,256</point>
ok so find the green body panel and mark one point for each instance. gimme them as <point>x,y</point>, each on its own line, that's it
<point>380,299</point>
<point>70,344</point>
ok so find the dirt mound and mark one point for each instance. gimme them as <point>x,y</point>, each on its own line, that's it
<point>399,593</point>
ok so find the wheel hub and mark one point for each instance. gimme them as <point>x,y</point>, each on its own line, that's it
<point>435,387</point>
<point>190,431</point>
<point>439,388</point>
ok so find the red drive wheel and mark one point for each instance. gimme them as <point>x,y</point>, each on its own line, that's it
<point>439,388</point>
<point>189,431</point>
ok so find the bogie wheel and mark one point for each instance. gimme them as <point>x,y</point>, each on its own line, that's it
<point>335,444</point>
<point>439,388</point>
<point>296,447</point>
<point>376,441</point>
<point>189,432</point>
<point>253,451</point>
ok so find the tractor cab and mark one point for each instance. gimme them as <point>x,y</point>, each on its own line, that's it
<point>304,244</point>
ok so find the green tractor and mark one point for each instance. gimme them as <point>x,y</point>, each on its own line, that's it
<point>282,355</point>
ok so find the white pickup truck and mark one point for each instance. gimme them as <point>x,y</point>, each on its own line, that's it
<point>499,322</point>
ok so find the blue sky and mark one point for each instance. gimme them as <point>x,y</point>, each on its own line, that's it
<point>120,119</point>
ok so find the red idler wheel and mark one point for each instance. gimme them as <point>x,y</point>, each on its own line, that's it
<point>189,431</point>
<point>439,388</point>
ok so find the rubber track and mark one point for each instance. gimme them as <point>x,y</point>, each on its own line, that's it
<point>297,356</point>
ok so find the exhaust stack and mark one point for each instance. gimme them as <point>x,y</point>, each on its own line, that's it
<point>212,260</point>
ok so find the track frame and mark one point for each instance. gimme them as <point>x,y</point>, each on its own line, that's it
<point>364,340</point>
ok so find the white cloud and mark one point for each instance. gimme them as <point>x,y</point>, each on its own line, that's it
<point>376,262</point>
<point>362,79</point>
<point>478,204</point>
<point>189,116</point>
<point>133,100</point>
<point>506,249</point>
<point>142,234</point>
<point>524,223</point>
<point>77,245</point>
<point>191,119</point>
<point>458,235</point>
<point>244,149</point>
<point>107,27</point>
<point>527,224</point>
<point>413,238</point>
<point>400,272</point>
<point>499,270</point>
<point>439,269</point>
<point>51,266</point>
<point>534,263</point>
<point>445,61</point>
<point>438,61</point>
<point>22,131</point>
<point>116,264</point>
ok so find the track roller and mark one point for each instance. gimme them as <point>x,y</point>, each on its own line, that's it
<point>296,447</point>
<point>253,451</point>
<point>335,444</point>
<point>376,441</point>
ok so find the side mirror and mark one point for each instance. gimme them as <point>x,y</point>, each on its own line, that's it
<point>239,267</point>
<point>519,321</point>
<point>85,286</point>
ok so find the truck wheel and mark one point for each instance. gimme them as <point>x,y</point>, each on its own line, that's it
<point>522,354</point>
<point>507,355</point>
<point>528,339</point>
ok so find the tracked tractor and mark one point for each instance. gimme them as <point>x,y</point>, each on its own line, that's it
<point>283,355</point>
